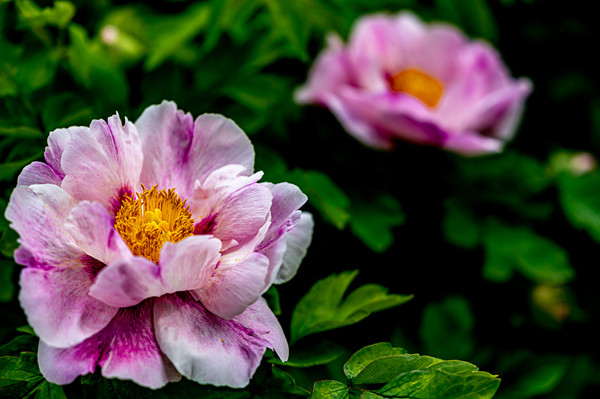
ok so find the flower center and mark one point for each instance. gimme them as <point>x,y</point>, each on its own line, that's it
<point>147,220</point>
<point>419,84</point>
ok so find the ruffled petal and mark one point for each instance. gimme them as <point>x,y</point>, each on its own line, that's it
<point>183,266</point>
<point>57,303</point>
<point>237,283</point>
<point>104,163</point>
<point>297,241</point>
<point>125,349</point>
<point>37,213</point>
<point>287,199</point>
<point>211,350</point>
<point>92,228</point>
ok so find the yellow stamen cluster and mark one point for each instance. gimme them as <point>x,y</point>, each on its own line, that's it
<point>147,220</point>
<point>419,84</point>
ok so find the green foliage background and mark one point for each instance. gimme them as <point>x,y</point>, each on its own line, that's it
<point>499,251</point>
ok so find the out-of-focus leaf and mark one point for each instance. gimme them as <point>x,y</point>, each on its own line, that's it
<point>536,375</point>
<point>7,288</point>
<point>459,225</point>
<point>373,221</point>
<point>580,200</point>
<point>260,92</point>
<point>324,307</point>
<point>93,68</point>
<point>519,248</point>
<point>323,194</point>
<point>170,34</point>
<point>272,297</point>
<point>32,15</point>
<point>315,354</point>
<point>20,131</point>
<point>9,169</point>
<point>475,16</point>
<point>62,110</point>
<point>446,328</point>
<point>288,18</point>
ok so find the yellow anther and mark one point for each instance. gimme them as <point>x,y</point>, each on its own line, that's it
<point>419,84</point>
<point>148,220</point>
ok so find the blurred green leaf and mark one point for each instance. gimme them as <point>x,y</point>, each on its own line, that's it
<point>323,194</point>
<point>446,328</point>
<point>536,257</point>
<point>289,18</point>
<point>169,34</point>
<point>373,221</point>
<point>580,200</point>
<point>32,15</point>
<point>260,92</point>
<point>9,169</point>
<point>20,131</point>
<point>324,307</point>
<point>459,225</point>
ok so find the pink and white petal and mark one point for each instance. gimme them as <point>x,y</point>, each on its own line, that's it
<point>183,266</point>
<point>298,239</point>
<point>127,282</point>
<point>58,306</point>
<point>237,283</point>
<point>92,228</point>
<point>217,142</point>
<point>125,349</point>
<point>188,264</point>
<point>211,350</point>
<point>210,195</point>
<point>57,142</point>
<point>473,144</point>
<point>104,163</point>
<point>166,135</point>
<point>37,213</point>
<point>38,173</point>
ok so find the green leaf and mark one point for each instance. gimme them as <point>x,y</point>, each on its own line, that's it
<point>367,355</point>
<point>520,248</point>
<point>260,92</point>
<point>34,16</point>
<point>20,131</point>
<point>330,389</point>
<point>475,16</point>
<point>9,169</point>
<point>313,354</point>
<point>580,200</point>
<point>272,297</point>
<point>446,328</point>
<point>373,221</point>
<point>459,225</point>
<point>324,308</point>
<point>331,202</point>
<point>287,18</point>
<point>169,34</point>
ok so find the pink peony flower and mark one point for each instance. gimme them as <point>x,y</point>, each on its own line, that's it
<point>147,247</point>
<point>399,78</point>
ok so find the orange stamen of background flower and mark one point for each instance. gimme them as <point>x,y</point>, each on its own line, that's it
<point>419,84</point>
<point>148,220</point>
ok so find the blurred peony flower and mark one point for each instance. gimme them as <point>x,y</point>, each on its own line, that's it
<point>147,247</point>
<point>399,78</point>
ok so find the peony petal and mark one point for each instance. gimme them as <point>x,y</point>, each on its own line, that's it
<point>237,283</point>
<point>92,228</point>
<point>166,135</point>
<point>38,213</point>
<point>298,239</point>
<point>38,173</point>
<point>57,303</point>
<point>126,349</point>
<point>211,350</point>
<point>104,163</point>
<point>184,266</point>
<point>473,144</point>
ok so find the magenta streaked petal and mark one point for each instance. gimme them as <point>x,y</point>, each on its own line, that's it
<point>92,228</point>
<point>211,350</point>
<point>186,265</point>
<point>58,306</point>
<point>237,283</point>
<point>38,214</point>
<point>104,163</point>
<point>126,349</point>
